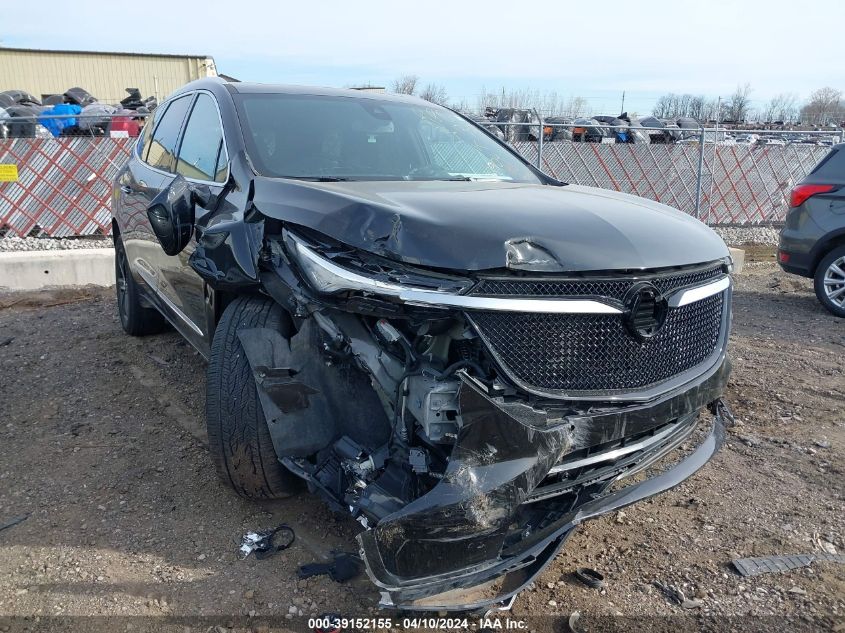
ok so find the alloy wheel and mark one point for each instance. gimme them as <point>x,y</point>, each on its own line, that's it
<point>834,282</point>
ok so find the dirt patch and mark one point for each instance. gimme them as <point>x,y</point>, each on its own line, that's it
<point>52,298</point>
<point>101,445</point>
<point>755,253</point>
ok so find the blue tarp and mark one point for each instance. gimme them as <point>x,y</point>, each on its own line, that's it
<point>57,125</point>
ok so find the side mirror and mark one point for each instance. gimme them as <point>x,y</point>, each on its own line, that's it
<point>171,213</point>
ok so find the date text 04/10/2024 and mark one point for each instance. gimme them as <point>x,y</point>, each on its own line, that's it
<point>328,623</point>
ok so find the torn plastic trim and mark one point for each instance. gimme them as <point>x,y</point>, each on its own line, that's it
<point>285,278</point>
<point>442,522</point>
<point>497,459</point>
<point>292,376</point>
<point>623,467</point>
<point>229,237</point>
<point>375,266</point>
<point>327,277</point>
<point>507,583</point>
<point>613,454</point>
<point>519,570</point>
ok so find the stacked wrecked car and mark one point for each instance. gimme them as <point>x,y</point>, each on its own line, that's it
<point>76,112</point>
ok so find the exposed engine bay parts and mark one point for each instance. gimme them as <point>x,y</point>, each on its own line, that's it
<point>454,447</point>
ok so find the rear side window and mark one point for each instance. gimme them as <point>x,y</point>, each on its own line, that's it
<point>831,167</point>
<point>202,154</point>
<point>162,152</point>
<point>149,125</point>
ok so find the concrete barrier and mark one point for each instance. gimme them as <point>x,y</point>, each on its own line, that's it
<point>738,255</point>
<point>33,270</point>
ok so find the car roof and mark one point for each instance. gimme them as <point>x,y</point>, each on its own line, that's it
<point>214,84</point>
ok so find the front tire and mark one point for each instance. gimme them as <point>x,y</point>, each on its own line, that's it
<point>238,437</point>
<point>829,281</point>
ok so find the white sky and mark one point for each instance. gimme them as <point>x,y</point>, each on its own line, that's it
<point>594,50</point>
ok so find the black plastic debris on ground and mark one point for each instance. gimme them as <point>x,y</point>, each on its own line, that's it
<point>345,566</point>
<point>590,577</point>
<point>262,542</point>
<point>769,564</point>
<point>13,522</point>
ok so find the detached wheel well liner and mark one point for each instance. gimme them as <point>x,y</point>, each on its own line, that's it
<point>238,435</point>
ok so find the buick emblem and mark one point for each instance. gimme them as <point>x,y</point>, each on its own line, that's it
<point>645,310</point>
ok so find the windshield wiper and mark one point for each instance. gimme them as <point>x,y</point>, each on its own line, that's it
<point>321,178</point>
<point>433,179</point>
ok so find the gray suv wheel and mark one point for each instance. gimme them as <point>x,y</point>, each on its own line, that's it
<point>830,281</point>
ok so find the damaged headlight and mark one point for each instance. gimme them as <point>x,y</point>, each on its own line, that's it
<point>367,273</point>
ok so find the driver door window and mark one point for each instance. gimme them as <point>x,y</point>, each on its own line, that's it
<point>202,154</point>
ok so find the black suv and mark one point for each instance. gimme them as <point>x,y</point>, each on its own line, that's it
<point>812,242</point>
<point>398,309</point>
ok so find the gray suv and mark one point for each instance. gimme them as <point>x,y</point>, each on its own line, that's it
<point>812,242</point>
<point>399,311</point>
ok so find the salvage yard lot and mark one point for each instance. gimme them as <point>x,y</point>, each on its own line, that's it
<point>102,445</point>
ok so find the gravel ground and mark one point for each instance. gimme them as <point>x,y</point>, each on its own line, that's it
<point>49,244</point>
<point>741,235</point>
<point>102,445</point>
<point>733,236</point>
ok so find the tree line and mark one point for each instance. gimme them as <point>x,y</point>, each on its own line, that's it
<point>545,103</point>
<point>825,106</point>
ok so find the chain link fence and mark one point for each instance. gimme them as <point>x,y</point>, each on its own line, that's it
<point>63,167</point>
<point>738,185</point>
<point>62,185</point>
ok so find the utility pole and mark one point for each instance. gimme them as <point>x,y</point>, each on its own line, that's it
<point>623,103</point>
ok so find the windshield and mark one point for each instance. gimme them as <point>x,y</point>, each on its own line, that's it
<point>348,138</point>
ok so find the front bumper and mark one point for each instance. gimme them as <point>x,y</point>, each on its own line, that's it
<point>454,547</point>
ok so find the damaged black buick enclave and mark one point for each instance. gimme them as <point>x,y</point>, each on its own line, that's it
<point>464,354</point>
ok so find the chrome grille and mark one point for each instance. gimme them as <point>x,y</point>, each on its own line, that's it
<point>595,352</point>
<point>595,287</point>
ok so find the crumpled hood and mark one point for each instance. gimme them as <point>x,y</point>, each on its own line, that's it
<point>465,225</point>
